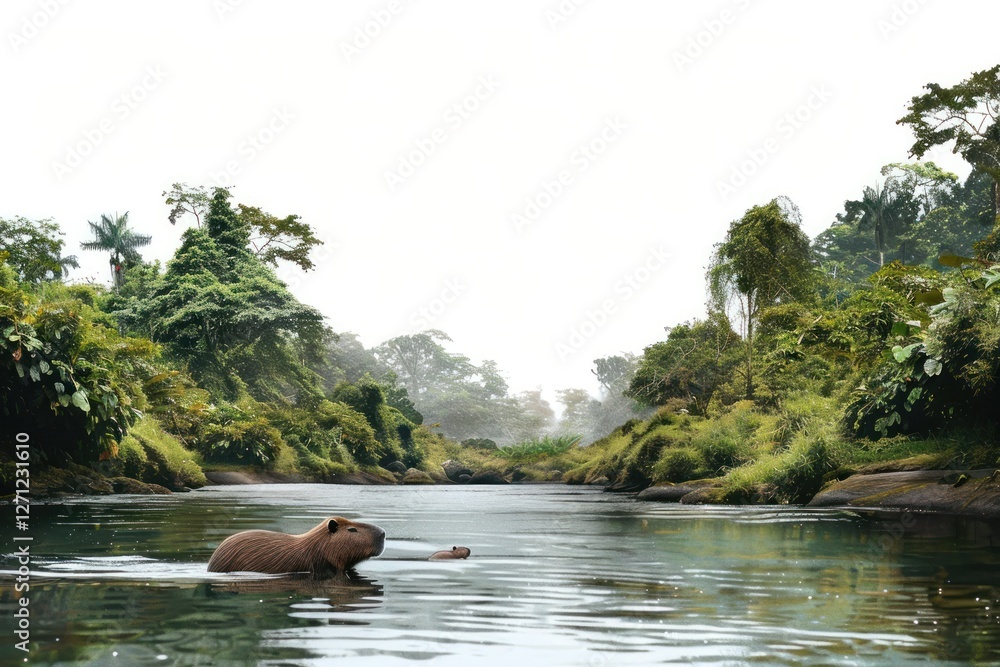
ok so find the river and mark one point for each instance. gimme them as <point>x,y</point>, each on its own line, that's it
<point>558,576</point>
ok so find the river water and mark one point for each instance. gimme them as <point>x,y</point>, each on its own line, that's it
<point>558,576</point>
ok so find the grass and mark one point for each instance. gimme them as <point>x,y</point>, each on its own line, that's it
<point>150,454</point>
<point>539,448</point>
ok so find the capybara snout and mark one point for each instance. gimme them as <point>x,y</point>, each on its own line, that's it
<point>333,547</point>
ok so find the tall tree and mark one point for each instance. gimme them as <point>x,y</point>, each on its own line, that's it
<point>184,199</point>
<point>966,114</point>
<point>764,260</point>
<point>270,238</point>
<point>112,234</point>
<point>886,209</point>
<point>34,250</point>
<point>224,226</point>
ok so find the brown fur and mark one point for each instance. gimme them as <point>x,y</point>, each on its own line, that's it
<point>319,551</point>
<point>454,554</point>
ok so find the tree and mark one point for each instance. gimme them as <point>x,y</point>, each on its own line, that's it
<point>696,358</point>
<point>113,235</point>
<point>230,318</point>
<point>270,238</point>
<point>764,260</point>
<point>274,238</point>
<point>34,250</point>
<point>230,233</point>
<point>184,199</point>
<point>885,209</point>
<point>578,406</point>
<point>466,400</point>
<point>966,114</point>
<point>926,213</point>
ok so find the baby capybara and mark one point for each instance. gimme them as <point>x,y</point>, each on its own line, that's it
<point>455,553</point>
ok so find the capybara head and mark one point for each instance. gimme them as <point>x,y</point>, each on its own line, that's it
<point>455,554</point>
<point>334,546</point>
<point>346,543</point>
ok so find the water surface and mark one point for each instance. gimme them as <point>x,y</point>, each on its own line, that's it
<point>558,576</point>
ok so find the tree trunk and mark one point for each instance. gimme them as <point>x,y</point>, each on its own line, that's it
<point>996,202</point>
<point>750,333</point>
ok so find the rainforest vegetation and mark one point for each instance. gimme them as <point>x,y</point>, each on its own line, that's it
<point>874,345</point>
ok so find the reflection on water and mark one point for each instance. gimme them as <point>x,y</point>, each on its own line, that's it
<point>558,576</point>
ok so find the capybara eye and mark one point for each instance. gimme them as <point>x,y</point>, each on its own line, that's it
<point>352,530</point>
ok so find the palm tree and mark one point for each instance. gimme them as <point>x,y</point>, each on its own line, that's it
<point>886,208</point>
<point>113,234</point>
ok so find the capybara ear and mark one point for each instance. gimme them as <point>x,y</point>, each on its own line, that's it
<point>332,526</point>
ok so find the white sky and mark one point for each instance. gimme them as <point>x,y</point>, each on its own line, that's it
<point>202,76</point>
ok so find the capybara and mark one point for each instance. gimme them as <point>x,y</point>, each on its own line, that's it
<point>455,553</point>
<point>330,549</point>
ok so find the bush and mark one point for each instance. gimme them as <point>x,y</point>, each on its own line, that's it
<point>678,465</point>
<point>249,441</point>
<point>727,441</point>
<point>538,448</point>
<point>149,454</point>
<point>356,433</point>
<point>480,443</point>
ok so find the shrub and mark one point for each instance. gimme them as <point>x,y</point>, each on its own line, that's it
<point>678,465</point>
<point>249,441</point>
<point>532,450</point>
<point>149,454</point>
<point>480,443</point>
<point>356,433</point>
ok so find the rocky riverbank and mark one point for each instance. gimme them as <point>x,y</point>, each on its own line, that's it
<point>971,493</point>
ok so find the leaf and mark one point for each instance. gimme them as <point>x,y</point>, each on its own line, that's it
<point>933,366</point>
<point>60,387</point>
<point>901,329</point>
<point>36,375</point>
<point>64,400</point>
<point>954,261</point>
<point>992,276</point>
<point>80,400</point>
<point>901,354</point>
<point>44,367</point>
<point>929,298</point>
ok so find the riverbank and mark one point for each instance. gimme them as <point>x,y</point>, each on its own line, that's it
<point>971,493</point>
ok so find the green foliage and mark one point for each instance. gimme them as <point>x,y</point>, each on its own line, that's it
<point>184,199</point>
<point>237,434</point>
<point>943,374</point>
<point>729,440</point>
<point>764,260</point>
<point>467,400</point>
<point>112,235</point>
<point>150,454</point>
<point>34,250</point>
<point>230,233</point>
<point>65,377</point>
<point>537,448</point>
<point>679,465</point>
<point>694,360</point>
<point>273,238</point>
<point>232,321</point>
<point>964,114</point>
<point>356,433</point>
